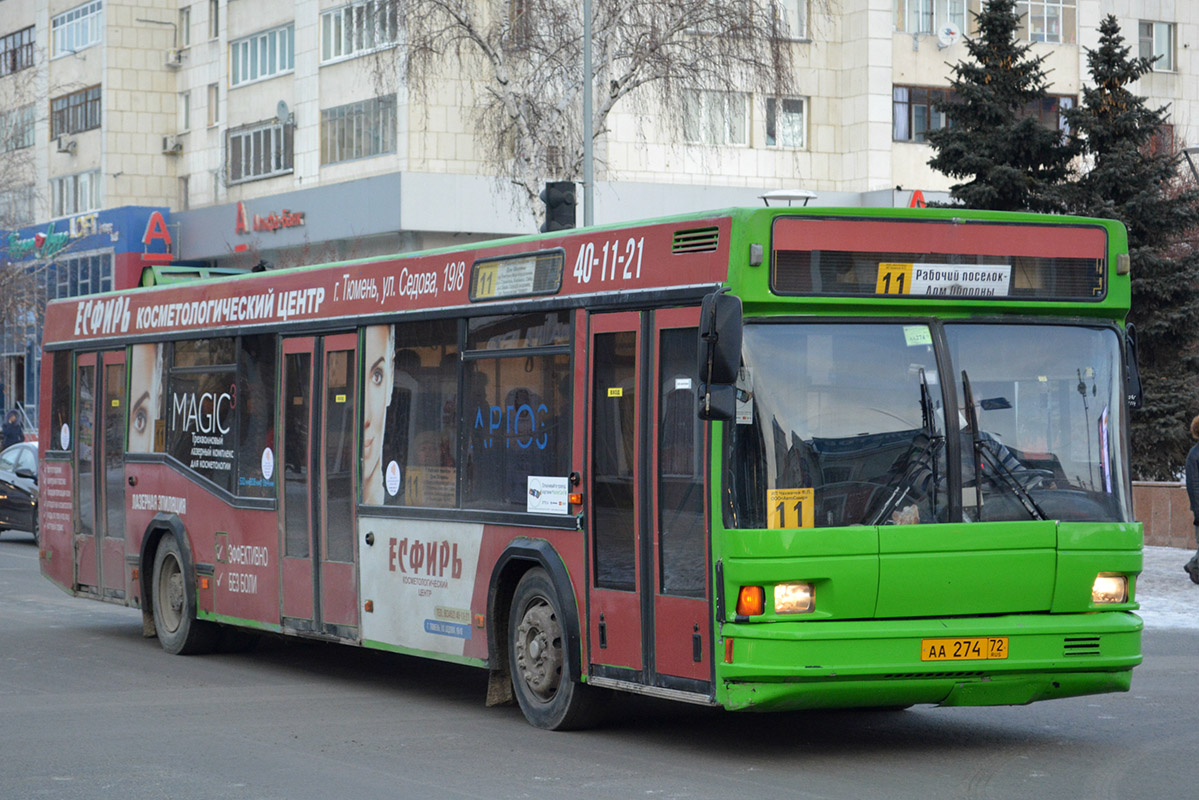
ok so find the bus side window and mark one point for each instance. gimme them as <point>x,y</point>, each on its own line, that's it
<point>60,403</point>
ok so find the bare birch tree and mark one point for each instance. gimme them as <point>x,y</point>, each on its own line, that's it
<point>525,63</point>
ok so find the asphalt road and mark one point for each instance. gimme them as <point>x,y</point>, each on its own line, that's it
<point>89,709</point>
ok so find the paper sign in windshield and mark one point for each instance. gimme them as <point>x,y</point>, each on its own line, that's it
<point>944,280</point>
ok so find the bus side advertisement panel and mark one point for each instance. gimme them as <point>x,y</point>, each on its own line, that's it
<point>56,514</point>
<point>241,545</point>
<point>419,578</point>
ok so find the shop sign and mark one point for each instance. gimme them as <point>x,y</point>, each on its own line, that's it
<point>271,223</point>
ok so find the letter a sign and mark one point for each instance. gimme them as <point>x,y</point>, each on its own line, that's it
<point>917,200</point>
<point>156,230</point>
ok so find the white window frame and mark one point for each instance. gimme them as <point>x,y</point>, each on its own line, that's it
<point>17,206</point>
<point>273,135</point>
<point>185,111</point>
<point>214,104</point>
<point>793,18</point>
<point>358,130</point>
<point>16,128</point>
<point>214,19</point>
<point>185,26</point>
<point>929,16</point>
<point>75,194</point>
<point>784,125</point>
<point>1160,41</point>
<point>719,118</point>
<point>357,29</point>
<point>1041,16</point>
<point>77,29</point>
<point>262,56</point>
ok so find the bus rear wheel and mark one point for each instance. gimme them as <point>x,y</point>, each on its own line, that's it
<point>540,661</point>
<point>179,632</point>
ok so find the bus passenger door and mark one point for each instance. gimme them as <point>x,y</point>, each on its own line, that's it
<point>100,471</point>
<point>319,566</point>
<point>682,623</point>
<point>650,619</point>
<point>614,496</point>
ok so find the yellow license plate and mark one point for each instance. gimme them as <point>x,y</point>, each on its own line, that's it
<point>973,648</point>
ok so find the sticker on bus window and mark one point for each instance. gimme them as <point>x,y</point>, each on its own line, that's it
<point>392,479</point>
<point>682,384</point>
<point>916,335</point>
<point>790,508</point>
<point>548,495</point>
<point>64,436</point>
<point>615,391</point>
<point>268,463</point>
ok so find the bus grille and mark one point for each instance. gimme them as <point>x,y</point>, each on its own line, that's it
<point>1081,645</point>
<point>696,240</point>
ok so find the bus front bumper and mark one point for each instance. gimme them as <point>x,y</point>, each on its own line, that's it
<point>877,663</point>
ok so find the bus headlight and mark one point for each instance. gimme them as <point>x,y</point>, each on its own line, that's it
<point>794,598</point>
<point>1109,588</point>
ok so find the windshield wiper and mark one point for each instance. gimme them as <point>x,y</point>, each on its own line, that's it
<point>925,458</point>
<point>983,451</point>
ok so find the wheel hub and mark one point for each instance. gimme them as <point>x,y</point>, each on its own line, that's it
<point>539,651</point>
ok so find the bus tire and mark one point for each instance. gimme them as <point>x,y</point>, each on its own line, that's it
<point>179,632</point>
<point>539,661</point>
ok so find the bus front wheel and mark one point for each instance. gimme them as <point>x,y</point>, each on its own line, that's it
<point>179,632</point>
<point>540,661</point>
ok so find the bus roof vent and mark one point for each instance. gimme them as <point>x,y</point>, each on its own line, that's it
<point>696,240</point>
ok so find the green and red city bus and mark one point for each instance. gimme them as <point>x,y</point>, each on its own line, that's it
<point>766,458</point>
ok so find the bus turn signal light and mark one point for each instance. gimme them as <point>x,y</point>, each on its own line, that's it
<point>576,498</point>
<point>750,601</point>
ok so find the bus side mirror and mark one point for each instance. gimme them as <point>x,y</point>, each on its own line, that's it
<point>1132,373</point>
<point>719,355</point>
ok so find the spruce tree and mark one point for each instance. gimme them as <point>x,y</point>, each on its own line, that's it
<point>1130,180</point>
<point>1004,157</point>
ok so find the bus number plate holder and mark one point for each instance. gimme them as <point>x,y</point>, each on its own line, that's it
<point>969,648</point>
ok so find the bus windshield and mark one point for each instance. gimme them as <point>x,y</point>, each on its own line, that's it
<point>849,417</point>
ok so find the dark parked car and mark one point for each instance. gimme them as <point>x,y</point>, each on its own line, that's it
<point>18,488</point>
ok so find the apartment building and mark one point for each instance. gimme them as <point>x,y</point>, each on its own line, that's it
<point>233,132</point>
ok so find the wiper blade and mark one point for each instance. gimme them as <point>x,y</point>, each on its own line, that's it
<point>926,457</point>
<point>982,451</point>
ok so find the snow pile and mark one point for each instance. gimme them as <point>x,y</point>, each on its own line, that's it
<point>1167,596</point>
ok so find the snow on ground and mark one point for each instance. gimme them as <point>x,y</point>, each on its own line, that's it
<point>1167,596</point>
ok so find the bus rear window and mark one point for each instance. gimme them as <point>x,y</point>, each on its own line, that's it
<point>944,259</point>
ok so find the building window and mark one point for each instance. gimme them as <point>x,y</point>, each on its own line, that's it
<point>185,111</point>
<point>1050,111</point>
<point>185,26</point>
<point>1051,21</point>
<point>913,114</point>
<point>1162,141</point>
<point>214,104</point>
<point>214,19</point>
<point>72,277</point>
<point>1157,41</point>
<point>357,28</point>
<point>76,29</point>
<point>16,207</point>
<point>16,51</point>
<point>16,128</point>
<point>75,112</point>
<point>75,194</point>
<point>263,55</point>
<point>793,18</point>
<point>711,117</point>
<point>929,16</point>
<point>261,150</point>
<point>358,130</point>
<point>184,194</point>
<point>786,122</point>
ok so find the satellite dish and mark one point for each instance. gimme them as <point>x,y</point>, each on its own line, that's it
<point>948,34</point>
<point>282,112</point>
